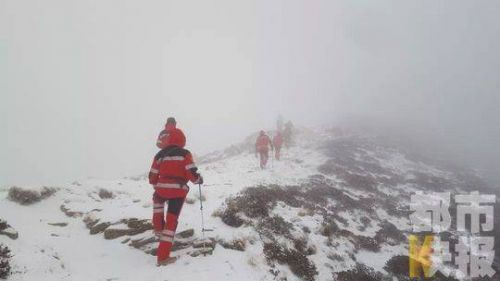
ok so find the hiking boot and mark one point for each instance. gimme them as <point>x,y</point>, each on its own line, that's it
<point>167,261</point>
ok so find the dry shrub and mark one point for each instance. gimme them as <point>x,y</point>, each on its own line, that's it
<point>388,233</point>
<point>236,244</point>
<point>105,194</point>
<point>328,228</point>
<point>302,246</point>
<point>298,262</point>
<point>275,225</point>
<point>4,261</point>
<point>359,273</point>
<point>400,266</point>
<point>28,196</point>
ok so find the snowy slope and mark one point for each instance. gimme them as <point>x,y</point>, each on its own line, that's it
<point>50,252</point>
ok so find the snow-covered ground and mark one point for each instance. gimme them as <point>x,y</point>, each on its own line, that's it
<point>50,252</point>
<point>46,252</point>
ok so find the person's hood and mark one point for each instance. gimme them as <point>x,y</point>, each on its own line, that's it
<point>176,137</point>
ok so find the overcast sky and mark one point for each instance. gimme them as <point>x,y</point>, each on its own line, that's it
<point>85,86</point>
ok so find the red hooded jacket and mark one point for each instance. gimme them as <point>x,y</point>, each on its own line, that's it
<point>278,140</point>
<point>263,142</point>
<point>173,167</point>
<point>163,137</point>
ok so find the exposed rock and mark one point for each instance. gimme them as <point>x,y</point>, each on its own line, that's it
<point>201,251</point>
<point>113,233</point>
<point>202,247</point>
<point>180,245</point>
<point>138,243</point>
<point>3,225</point>
<point>7,230</point>
<point>98,228</point>
<point>152,251</point>
<point>60,224</point>
<point>10,232</point>
<point>70,213</point>
<point>29,196</point>
<point>237,244</point>
<point>139,225</point>
<point>90,220</point>
<point>110,234</point>
<point>207,243</point>
<point>186,233</point>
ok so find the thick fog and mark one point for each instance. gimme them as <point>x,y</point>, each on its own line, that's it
<point>85,86</point>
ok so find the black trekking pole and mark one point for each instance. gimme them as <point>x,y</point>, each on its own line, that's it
<point>203,229</point>
<point>202,217</point>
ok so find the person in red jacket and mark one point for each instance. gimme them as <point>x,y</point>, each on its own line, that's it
<point>172,169</point>
<point>162,140</point>
<point>262,148</point>
<point>277,143</point>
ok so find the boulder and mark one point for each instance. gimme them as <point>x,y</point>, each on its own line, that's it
<point>204,243</point>
<point>60,224</point>
<point>186,233</point>
<point>139,225</point>
<point>7,230</point>
<point>70,213</point>
<point>100,227</point>
<point>10,232</point>
<point>138,243</point>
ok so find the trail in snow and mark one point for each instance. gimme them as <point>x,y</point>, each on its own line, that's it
<point>45,252</point>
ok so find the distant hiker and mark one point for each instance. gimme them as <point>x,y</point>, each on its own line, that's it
<point>170,172</point>
<point>171,124</point>
<point>262,148</point>
<point>277,143</point>
<point>288,134</point>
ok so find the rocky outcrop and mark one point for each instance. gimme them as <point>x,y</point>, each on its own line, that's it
<point>60,224</point>
<point>113,233</point>
<point>7,230</point>
<point>129,227</point>
<point>25,196</point>
<point>185,234</point>
<point>236,244</point>
<point>99,227</point>
<point>69,213</point>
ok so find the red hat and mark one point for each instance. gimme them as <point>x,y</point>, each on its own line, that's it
<point>176,137</point>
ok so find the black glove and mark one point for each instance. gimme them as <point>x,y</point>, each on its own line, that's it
<point>199,180</point>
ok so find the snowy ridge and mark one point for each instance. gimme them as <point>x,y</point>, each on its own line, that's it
<point>338,237</point>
